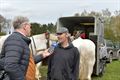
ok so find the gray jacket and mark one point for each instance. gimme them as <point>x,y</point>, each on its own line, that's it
<point>17,53</point>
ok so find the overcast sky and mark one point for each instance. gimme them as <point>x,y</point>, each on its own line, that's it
<point>46,11</point>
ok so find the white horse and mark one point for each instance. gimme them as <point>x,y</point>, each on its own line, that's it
<point>87,57</point>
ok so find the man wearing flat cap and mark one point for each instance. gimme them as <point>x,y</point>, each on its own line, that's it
<point>62,30</point>
<point>64,62</point>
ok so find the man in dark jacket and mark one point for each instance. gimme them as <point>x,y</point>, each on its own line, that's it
<point>19,63</point>
<point>64,62</point>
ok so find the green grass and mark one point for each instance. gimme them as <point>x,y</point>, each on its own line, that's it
<point>112,72</point>
<point>43,71</point>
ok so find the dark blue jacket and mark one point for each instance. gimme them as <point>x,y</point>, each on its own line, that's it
<point>17,53</point>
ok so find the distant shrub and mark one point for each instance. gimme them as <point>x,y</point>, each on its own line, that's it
<point>2,33</point>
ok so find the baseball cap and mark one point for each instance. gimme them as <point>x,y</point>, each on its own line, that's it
<point>62,30</point>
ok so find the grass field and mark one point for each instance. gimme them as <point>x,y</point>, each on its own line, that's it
<point>112,72</point>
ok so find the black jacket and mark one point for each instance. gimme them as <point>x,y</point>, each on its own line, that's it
<point>64,63</point>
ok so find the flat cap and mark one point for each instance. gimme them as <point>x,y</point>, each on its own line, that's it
<point>62,30</point>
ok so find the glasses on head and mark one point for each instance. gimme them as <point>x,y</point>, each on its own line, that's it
<point>59,33</point>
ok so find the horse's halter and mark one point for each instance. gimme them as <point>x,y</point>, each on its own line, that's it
<point>47,36</point>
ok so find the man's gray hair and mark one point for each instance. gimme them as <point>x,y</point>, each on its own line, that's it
<point>18,21</point>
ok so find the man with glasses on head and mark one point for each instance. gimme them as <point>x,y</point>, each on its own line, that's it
<point>64,62</point>
<point>19,63</point>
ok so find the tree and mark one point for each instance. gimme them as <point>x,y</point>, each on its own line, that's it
<point>77,14</point>
<point>52,28</point>
<point>117,13</point>
<point>106,13</point>
<point>112,25</point>
<point>39,29</point>
<point>2,22</point>
<point>84,13</point>
<point>96,14</point>
<point>115,23</point>
<point>35,28</point>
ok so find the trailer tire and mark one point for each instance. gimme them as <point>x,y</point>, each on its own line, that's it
<point>119,55</point>
<point>110,58</point>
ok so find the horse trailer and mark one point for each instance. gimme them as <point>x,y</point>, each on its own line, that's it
<point>94,29</point>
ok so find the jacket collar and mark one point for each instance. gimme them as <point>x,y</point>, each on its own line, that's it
<point>26,39</point>
<point>68,47</point>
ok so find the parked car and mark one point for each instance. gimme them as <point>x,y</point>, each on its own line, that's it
<point>116,51</point>
<point>110,50</point>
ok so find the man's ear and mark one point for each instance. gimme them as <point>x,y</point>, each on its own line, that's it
<point>24,27</point>
<point>67,34</point>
